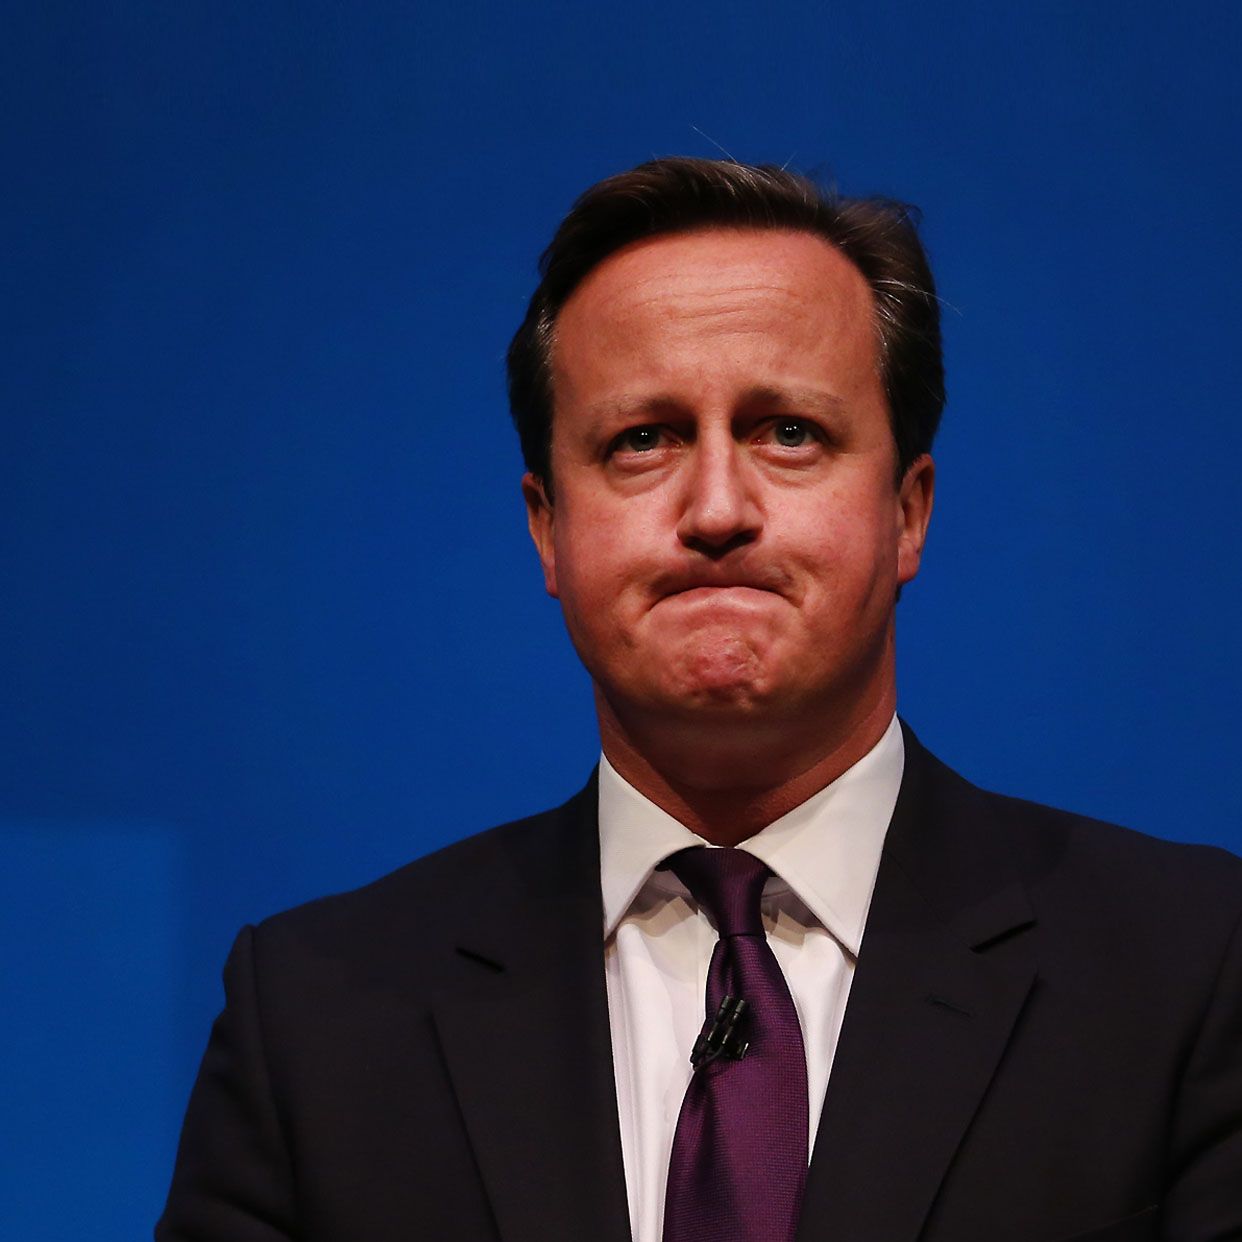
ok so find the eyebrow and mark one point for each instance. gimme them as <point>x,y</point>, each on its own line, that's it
<point>812,400</point>
<point>661,405</point>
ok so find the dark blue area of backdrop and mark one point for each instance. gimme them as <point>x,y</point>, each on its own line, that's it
<point>270,621</point>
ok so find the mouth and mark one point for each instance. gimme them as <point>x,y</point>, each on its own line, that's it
<point>717,589</point>
<point>731,595</point>
<point>741,585</point>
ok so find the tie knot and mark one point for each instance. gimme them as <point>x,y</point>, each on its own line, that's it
<point>727,883</point>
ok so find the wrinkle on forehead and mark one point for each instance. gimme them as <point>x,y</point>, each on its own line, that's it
<point>726,255</point>
<point>738,299</point>
<point>723,271</point>
<point>684,288</point>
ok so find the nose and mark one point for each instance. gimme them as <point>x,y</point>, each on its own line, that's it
<point>720,510</point>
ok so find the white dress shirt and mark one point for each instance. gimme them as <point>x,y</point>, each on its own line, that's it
<point>824,856</point>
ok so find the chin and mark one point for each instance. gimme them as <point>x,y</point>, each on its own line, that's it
<point>718,691</point>
<point>725,669</point>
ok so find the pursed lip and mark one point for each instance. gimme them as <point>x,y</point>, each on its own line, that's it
<point>705,580</point>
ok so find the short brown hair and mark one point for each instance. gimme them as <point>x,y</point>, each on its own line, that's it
<point>679,195</point>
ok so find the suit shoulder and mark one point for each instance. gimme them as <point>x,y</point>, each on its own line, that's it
<point>1120,876</point>
<point>1100,894</point>
<point>1060,856</point>
<point>1049,830</point>
<point>1045,832</point>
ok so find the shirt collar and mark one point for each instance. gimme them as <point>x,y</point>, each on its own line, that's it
<point>827,850</point>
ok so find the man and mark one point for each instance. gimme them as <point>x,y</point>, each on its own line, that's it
<point>973,1018</point>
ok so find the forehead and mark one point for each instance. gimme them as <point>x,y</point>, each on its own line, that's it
<point>754,294</point>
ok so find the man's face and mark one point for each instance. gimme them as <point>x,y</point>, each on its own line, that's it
<point>726,538</point>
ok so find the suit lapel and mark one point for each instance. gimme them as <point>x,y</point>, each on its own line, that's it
<point>527,1043</point>
<point>929,1014</point>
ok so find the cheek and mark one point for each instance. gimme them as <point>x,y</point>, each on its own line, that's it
<point>604,547</point>
<point>592,568</point>
<point>849,549</point>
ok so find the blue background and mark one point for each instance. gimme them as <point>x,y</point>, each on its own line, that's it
<point>270,621</point>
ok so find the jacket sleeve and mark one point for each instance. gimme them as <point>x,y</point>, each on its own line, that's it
<point>233,1180</point>
<point>1204,1201</point>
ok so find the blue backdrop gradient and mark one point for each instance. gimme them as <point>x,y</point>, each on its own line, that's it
<point>271,624</point>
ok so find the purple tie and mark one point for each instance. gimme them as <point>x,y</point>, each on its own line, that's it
<point>740,1151</point>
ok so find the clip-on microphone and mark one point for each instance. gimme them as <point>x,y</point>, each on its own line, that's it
<point>720,1036</point>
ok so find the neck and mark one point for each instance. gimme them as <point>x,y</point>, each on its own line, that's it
<point>725,781</point>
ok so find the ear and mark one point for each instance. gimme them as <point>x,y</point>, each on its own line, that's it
<point>914,499</point>
<point>539,519</point>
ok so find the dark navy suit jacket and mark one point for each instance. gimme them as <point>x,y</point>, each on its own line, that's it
<point>1043,1042</point>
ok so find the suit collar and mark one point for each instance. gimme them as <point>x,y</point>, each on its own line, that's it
<point>931,1009</point>
<point>945,840</point>
<point>526,1040</point>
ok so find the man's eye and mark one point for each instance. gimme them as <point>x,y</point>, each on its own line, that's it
<point>638,439</point>
<point>790,432</point>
